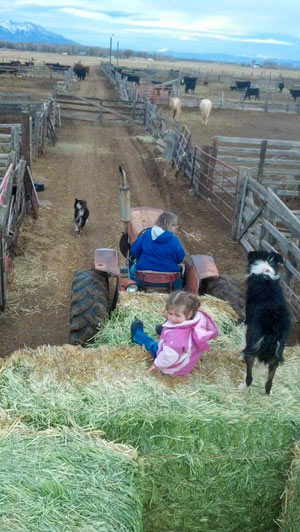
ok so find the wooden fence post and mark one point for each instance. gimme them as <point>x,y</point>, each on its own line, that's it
<point>263,151</point>
<point>37,126</point>
<point>240,195</point>
<point>266,102</point>
<point>26,121</point>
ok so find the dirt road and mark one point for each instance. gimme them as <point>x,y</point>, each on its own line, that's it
<point>84,164</point>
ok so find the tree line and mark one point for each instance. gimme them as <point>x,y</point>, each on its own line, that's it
<point>78,49</point>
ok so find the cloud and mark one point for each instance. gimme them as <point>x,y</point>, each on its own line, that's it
<point>256,25</point>
<point>194,36</point>
<point>165,19</point>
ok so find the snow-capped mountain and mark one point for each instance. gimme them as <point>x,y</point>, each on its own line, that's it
<point>28,32</point>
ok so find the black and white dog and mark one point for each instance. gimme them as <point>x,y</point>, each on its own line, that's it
<point>267,317</point>
<point>81,214</point>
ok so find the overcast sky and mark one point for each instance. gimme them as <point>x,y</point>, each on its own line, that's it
<point>269,28</point>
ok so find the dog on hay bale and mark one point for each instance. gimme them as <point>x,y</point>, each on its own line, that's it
<point>267,318</point>
<point>81,214</point>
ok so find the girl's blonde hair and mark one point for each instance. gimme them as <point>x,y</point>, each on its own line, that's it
<point>189,302</point>
<point>166,220</point>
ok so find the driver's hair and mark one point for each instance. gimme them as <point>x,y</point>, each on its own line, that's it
<point>166,220</point>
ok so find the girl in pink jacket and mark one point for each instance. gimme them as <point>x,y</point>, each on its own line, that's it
<point>184,335</point>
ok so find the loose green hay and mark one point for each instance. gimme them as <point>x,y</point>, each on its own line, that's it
<point>148,139</point>
<point>147,307</point>
<point>67,480</point>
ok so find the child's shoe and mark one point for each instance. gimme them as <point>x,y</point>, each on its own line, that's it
<point>136,325</point>
<point>159,329</point>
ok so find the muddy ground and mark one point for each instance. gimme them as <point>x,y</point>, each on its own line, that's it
<point>84,164</point>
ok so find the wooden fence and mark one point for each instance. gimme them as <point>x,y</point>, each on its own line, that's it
<point>262,221</point>
<point>274,163</point>
<point>17,188</point>
<point>45,118</point>
<point>17,192</point>
<point>264,104</point>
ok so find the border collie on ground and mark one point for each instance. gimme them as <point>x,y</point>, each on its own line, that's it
<point>81,214</point>
<point>267,317</point>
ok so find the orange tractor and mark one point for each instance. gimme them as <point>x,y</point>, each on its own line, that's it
<point>94,292</point>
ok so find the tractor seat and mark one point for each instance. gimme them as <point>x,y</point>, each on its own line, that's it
<point>156,281</point>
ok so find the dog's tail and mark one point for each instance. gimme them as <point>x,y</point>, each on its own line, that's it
<point>266,347</point>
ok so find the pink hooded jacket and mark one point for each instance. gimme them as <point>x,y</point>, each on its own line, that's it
<point>180,345</point>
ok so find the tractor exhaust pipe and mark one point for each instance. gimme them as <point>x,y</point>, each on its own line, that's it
<point>124,199</point>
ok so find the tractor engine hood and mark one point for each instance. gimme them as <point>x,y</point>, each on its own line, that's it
<point>141,219</point>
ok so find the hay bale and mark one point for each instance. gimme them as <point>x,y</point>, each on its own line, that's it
<point>210,458</point>
<point>213,459</point>
<point>67,480</point>
<point>289,521</point>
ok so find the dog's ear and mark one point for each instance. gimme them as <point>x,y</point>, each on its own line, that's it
<point>252,256</point>
<point>277,258</point>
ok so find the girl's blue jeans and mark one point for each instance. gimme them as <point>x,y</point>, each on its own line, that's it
<point>141,338</point>
<point>176,285</point>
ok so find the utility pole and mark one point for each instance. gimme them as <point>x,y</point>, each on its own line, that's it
<point>117,54</point>
<point>110,47</point>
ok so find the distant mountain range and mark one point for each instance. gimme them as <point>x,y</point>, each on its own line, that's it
<point>234,59</point>
<point>28,32</point>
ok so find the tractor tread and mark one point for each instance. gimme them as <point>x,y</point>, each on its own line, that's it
<point>89,305</point>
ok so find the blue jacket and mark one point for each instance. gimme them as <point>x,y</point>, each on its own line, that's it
<point>157,250</point>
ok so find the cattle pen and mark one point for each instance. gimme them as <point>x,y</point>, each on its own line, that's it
<point>218,182</point>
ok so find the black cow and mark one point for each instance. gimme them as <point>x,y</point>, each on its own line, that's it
<point>281,86</point>
<point>190,84</point>
<point>205,83</point>
<point>243,84</point>
<point>295,93</point>
<point>57,67</point>
<point>251,92</point>
<point>135,79</point>
<point>80,72</point>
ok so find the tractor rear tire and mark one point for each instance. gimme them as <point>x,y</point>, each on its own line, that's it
<point>89,305</point>
<point>227,289</point>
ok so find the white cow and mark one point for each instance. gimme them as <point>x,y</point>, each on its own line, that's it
<point>175,108</point>
<point>205,109</point>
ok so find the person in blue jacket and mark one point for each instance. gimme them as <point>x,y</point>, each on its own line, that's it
<point>158,248</point>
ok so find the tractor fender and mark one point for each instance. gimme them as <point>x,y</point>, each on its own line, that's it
<point>107,260</point>
<point>199,267</point>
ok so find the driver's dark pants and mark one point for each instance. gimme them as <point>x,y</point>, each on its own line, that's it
<point>176,285</point>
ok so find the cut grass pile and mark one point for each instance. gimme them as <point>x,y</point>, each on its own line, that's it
<point>209,458</point>
<point>59,480</point>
